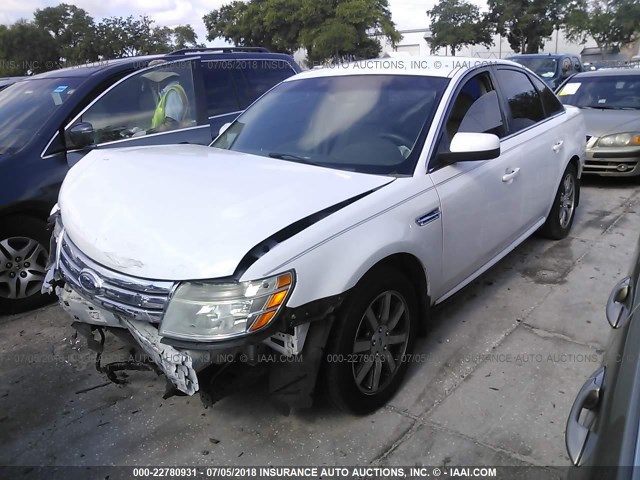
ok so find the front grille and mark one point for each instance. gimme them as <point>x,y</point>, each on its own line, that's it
<point>121,294</point>
<point>620,166</point>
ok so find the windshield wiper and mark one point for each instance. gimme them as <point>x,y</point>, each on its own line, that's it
<point>608,107</point>
<point>291,157</point>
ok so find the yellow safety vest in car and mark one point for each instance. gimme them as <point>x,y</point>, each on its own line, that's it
<point>160,114</point>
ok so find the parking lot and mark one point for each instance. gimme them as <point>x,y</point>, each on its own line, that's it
<point>493,385</point>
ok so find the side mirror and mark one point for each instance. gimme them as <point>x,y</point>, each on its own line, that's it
<point>470,147</point>
<point>81,135</point>
<point>223,128</point>
<point>615,304</point>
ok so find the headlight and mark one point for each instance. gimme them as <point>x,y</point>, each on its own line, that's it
<point>205,311</point>
<point>629,139</point>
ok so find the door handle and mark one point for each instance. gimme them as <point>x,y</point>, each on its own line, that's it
<point>588,398</point>
<point>615,304</point>
<point>510,175</point>
<point>558,146</point>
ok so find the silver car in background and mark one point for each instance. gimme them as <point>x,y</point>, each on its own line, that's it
<point>610,102</point>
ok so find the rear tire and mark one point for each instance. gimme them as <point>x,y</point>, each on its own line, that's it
<point>371,338</point>
<point>24,249</point>
<point>563,211</point>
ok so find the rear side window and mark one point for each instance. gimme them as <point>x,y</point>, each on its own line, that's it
<point>221,92</point>
<point>550,102</point>
<point>525,105</point>
<point>256,77</point>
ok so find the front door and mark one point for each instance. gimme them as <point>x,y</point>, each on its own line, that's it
<point>153,106</point>
<point>481,201</point>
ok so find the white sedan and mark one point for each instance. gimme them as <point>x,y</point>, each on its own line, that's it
<point>318,230</point>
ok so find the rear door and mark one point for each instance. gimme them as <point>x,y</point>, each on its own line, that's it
<point>536,136</point>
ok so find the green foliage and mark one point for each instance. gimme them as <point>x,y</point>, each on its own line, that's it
<point>26,49</point>
<point>66,35</point>
<point>456,23</point>
<point>612,23</point>
<point>526,24</point>
<point>327,29</point>
<point>72,28</point>
<point>184,37</point>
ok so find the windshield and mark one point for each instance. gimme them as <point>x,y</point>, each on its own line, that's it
<point>612,92</point>
<point>543,67</point>
<point>362,123</point>
<point>26,106</point>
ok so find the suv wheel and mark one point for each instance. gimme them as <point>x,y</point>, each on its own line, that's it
<point>374,332</point>
<point>23,257</point>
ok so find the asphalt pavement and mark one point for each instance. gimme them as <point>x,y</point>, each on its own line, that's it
<point>492,382</point>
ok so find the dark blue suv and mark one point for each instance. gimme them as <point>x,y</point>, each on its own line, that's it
<point>50,121</point>
<point>552,68</point>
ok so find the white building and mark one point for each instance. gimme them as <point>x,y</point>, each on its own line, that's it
<point>416,42</point>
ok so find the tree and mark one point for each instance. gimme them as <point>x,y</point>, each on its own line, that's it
<point>26,49</point>
<point>526,23</point>
<point>72,28</point>
<point>456,23</point>
<point>127,37</point>
<point>328,29</point>
<point>611,23</point>
<point>184,36</point>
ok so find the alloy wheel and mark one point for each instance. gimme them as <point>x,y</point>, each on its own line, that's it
<point>381,342</point>
<point>22,267</point>
<point>567,200</point>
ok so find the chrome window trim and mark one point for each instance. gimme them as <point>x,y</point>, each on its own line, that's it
<point>42,155</point>
<point>142,136</point>
<point>237,112</point>
<point>126,77</point>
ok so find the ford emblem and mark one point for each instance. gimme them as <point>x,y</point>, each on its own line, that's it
<point>89,281</point>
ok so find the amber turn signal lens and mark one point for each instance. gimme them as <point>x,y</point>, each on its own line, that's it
<point>263,320</point>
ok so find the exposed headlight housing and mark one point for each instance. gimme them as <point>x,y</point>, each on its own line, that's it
<point>204,311</point>
<point>627,139</point>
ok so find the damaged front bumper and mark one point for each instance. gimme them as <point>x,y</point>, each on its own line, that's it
<point>101,299</point>
<point>178,365</point>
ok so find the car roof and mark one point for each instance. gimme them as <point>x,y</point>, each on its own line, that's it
<point>428,66</point>
<point>608,72</point>
<point>91,68</point>
<point>88,69</point>
<point>542,55</point>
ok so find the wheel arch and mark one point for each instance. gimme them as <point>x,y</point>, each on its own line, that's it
<point>37,210</point>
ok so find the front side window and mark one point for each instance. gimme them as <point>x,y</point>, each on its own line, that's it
<point>363,123</point>
<point>525,105</point>
<point>607,92</point>
<point>151,101</point>
<point>27,105</point>
<point>476,109</point>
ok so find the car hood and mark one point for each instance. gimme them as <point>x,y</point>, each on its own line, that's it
<point>189,212</point>
<point>605,122</point>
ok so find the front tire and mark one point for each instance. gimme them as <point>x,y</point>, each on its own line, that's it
<point>563,211</point>
<point>371,338</point>
<point>24,249</point>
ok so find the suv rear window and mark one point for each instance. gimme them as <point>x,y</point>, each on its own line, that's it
<point>256,77</point>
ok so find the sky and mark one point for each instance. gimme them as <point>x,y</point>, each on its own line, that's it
<point>407,14</point>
